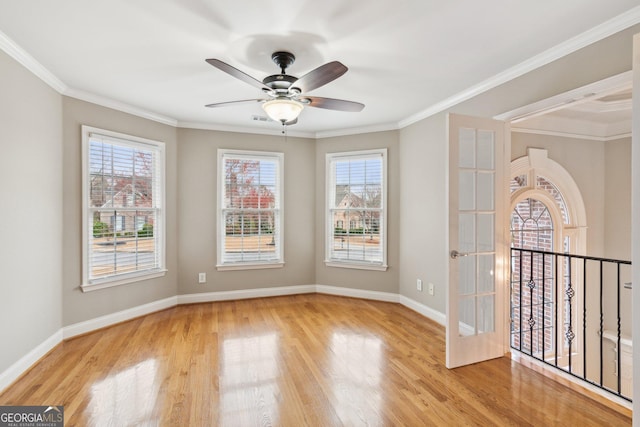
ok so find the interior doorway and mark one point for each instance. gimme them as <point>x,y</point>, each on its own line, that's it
<point>591,125</point>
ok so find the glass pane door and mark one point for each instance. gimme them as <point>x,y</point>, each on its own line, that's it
<point>476,221</point>
<point>477,240</point>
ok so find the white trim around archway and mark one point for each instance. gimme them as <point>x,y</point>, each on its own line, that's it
<point>537,162</point>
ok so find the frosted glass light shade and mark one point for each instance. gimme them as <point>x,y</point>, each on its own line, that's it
<point>282,110</point>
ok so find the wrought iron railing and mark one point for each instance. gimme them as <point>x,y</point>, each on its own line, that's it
<point>573,312</point>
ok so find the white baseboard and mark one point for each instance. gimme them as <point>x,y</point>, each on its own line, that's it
<point>426,311</point>
<point>25,362</point>
<point>22,365</point>
<point>357,293</point>
<point>245,294</point>
<point>286,290</point>
<point>120,316</point>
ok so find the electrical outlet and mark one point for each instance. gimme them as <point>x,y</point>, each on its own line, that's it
<point>419,285</point>
<point>431,289</point>
<point>202,277</point>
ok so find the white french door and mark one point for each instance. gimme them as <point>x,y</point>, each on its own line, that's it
<point>478,161</point>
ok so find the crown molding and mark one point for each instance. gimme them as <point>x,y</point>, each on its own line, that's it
<point>571,135</point>
<point>120,106</point>
<point>275,131</point>
<point>21,56</point>
<point>573,98</point>
<point>617,137</point>
<point>606,29</point>
<point>356,130</point>
<point>29,62</point>
<point>295,134</point>
<point>599,106</point>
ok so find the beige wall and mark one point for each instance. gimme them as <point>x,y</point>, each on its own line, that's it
<point>197,204</point>
<point>424,211</point>
<point>79,306</point>
<point>617,199</point>
<point>30,212</point>
<point>386,281</point>
<point>618,226</point>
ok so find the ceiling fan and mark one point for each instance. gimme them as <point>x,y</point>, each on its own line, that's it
<point>286,94</point>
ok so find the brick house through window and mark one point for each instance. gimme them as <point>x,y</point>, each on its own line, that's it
<point>120,221</point>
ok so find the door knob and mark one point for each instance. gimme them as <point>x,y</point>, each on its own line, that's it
<point>455,254</point>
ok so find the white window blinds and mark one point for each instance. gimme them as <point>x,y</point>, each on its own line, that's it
<point>124,217</point>
<point>250,208</point>
<point>356,201</point>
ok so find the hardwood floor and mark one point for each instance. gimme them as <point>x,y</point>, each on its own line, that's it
<point>305,360</point>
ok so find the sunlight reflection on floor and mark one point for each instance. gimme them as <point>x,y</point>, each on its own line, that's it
<point>248,379</point>
<point>356,363</point>
<point>127,397</point>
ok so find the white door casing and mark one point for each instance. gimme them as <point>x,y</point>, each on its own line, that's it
<point>635,214</point>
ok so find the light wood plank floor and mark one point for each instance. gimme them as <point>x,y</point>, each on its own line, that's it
<point>306,360</point>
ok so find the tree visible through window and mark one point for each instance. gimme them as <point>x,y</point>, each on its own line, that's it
<point>250,215</point>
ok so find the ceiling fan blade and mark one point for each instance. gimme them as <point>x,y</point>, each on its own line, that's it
<point>334,104</point>
<point>291,122</point>
<point>232,71</point>
<point>320,76</point>
<point>231,103</point>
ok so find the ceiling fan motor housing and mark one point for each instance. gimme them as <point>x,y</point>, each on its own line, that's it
<point>283,59</point>
<point>279,81</point>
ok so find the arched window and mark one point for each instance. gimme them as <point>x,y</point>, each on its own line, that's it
<point>538,177</point>
<point>547,214</point>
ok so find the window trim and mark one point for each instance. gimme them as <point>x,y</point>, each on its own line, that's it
<point>160,227</point>
<point>220,226</point>
<point>330,195</point>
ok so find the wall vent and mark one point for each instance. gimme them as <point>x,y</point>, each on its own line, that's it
<point>256,118</point>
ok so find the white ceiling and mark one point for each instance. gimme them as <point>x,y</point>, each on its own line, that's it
<point>406,58</point>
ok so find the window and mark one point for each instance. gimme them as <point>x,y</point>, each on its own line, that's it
<point>123,214</point>
<point>249,209</point>
<point>117,222</point>
<point>356,197</point>
<point>549,215</point>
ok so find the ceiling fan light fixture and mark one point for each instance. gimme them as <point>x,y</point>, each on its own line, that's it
<point>283,110</point>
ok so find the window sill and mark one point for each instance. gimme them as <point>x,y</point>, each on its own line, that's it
<point>249,266</point>
<point>357,266</point>
<point>111,282</point>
